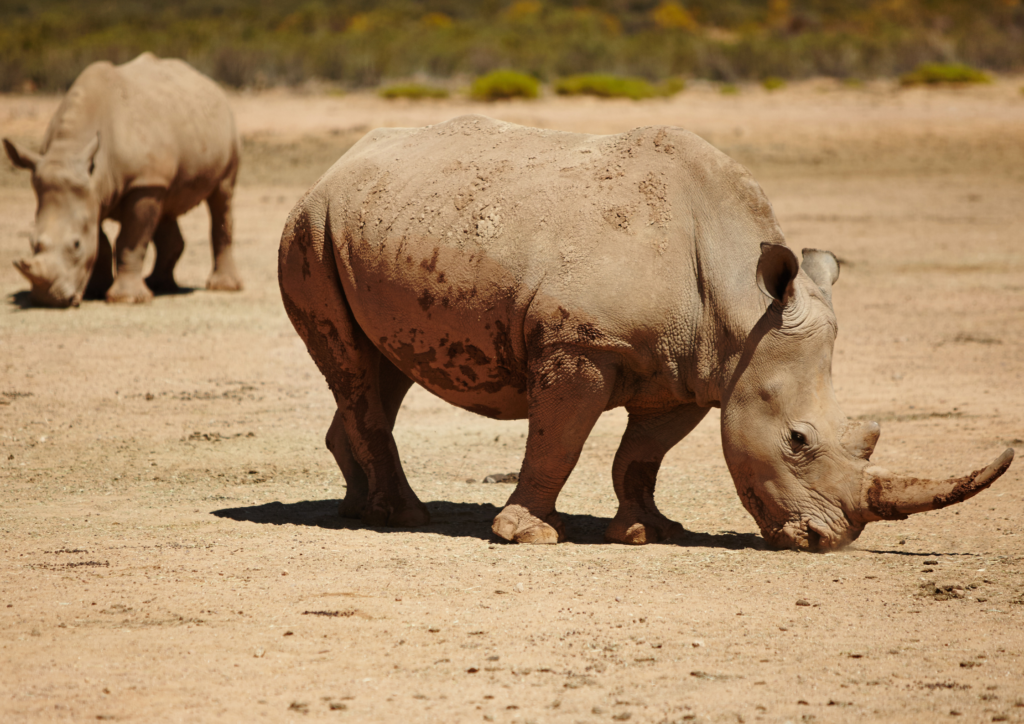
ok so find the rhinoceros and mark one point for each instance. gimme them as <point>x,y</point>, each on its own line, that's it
<point>526,273</point>
<point>140,143</point>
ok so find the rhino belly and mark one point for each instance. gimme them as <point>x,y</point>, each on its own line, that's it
<point>448,319</point>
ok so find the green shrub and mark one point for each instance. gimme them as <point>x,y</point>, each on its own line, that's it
<point>415,91</point>
<point>773,82</point>
<point>670,86</point>
<point>502,84</point>
<point>605,85</point>
<point>729,89</point>
<point>944,73</point>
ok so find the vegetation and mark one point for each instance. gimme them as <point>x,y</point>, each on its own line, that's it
<point>362,43</point>
<point>605,85</point>
<point>944,73</point>
<point>503,84</point>
<point>415,91</point>
<point>773,82</point>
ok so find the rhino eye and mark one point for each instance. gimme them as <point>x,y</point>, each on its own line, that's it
<point>797,437</point>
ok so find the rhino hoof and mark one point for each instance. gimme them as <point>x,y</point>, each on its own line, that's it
<point>516,524</point>
<point>410,517</point>
<point>129,292</point>
<point>223,283</point>
<point>643,532</point>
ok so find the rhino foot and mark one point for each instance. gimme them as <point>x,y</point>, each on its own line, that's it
<point>642,529</point>
<point>515,523</point>
<point>131,290</point>
<point>385,516</point>
<point>224,282</point>
<point>352,508</point>
<point>162,285</point>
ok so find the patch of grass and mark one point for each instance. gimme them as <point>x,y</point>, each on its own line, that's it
<point>773,82</point>
<point>944,74</point>
<point>605,85</point>
<point>729,89</point>
<point>502,84</point>
<point>415,91</point>
<point>670,86</point>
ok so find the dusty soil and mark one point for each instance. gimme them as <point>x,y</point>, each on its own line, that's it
<point>170,545</point>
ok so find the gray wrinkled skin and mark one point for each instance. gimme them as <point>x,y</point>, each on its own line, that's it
<point>517,272</point>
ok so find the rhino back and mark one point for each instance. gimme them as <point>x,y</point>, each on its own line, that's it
<point>161,124</point>
<point>480,234</point>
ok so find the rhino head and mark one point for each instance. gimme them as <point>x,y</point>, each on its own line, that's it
<point>67,226</point>
<point>800,466</point>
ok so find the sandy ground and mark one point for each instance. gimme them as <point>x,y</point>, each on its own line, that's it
<point>169,544</point>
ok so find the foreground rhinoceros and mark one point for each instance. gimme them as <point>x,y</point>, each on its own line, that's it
<point>518,272</point>
<point>140,143</point>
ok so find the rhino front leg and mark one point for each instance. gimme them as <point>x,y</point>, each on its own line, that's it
<point>142,209</point>
<point>644,444</point>
<point>568,392</point>
<point>102,275</point>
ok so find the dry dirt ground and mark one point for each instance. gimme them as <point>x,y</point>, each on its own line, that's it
<point>169,544</point>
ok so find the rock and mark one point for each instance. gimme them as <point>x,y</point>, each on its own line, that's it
<point>507,478</point>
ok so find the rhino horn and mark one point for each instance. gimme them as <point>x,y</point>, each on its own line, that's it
<point>860,440</point>
<point>28,269</point>
<point>885,496</point>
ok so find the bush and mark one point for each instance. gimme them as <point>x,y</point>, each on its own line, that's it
<point>670,86</point>
<point>415,91</point>
<point>944,73</point>
<point>773,82</point>
<point>729,89</point>
<point>604,85</point>
<point>502,84</point>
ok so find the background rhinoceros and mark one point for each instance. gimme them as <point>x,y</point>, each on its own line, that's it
<point>518,272</point>
<point>141,143</point>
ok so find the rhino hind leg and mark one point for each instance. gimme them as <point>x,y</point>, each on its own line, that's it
<point>367,388</point>
<point>644,444</point>
<point>568,393</point>
<point>169,245</point>
<point>224,276</point>
<point>393,387</point>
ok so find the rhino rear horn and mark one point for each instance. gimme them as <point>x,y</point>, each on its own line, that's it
<point>891,497</point>
<point>823,269</point>
<point>21,157</point>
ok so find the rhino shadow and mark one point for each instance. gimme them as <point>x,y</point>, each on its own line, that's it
<point>461,520</point>
<point>23,299</point>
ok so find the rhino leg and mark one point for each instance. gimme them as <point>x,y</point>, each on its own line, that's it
<point>568,392</point>
<point>393,387</point>
<point>644,444</point>
<point>368,391</point>
<point>169,244</point>
<point>102,275</point>
<point>224,276</point>
<point>141,212</point>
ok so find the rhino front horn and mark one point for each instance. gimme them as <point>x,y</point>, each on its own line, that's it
<point>892,497</point>
<point>27,270</point>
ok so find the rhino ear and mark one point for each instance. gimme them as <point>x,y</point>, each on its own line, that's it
<point>823,269</point>
<point>776,271</point>
<point>88,153</point>
<point>21,157</point>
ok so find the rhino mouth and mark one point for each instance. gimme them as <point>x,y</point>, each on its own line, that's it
<point>47,292</point>
<point>811,534</point>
